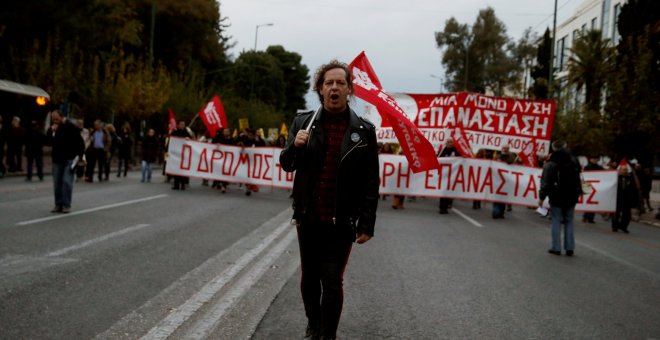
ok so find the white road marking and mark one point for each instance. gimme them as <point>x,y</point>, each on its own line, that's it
<point>95,240</point>
<point>180,315</point>
<point>203,328</point>
<point>467,218</point>
<point>103,207</point>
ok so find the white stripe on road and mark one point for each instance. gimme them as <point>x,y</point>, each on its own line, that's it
<point>204,327</point>
<point>95,241</point>
<point>80,212</point>
<point>172,322</point>
<point>467,218</point>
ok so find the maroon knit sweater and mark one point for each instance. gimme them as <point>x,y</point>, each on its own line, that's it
<point>325,191</point>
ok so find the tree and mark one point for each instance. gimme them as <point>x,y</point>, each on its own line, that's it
<point>588,66</point>
<point>296,79</point>
<point>258,75</point>
<point>524,53</point>
<point>480,58</point>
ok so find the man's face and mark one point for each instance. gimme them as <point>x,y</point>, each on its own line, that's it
<point>450,143</point>
<point>335,90</point>
<point>55,118</point>
<point>593,160</point>
<point>97,125</point>
<point>226,133</point>
<point>505,149</point>
<point>181,125</point>
<point>623,170</point>
<point>151,132</point>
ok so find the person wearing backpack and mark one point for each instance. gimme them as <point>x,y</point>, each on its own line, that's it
<point>560,182</point>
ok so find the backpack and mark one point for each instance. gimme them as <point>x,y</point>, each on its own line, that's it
<point>569,182</point>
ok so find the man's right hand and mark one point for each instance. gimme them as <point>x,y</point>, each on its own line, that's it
<point>54,127</point>
<point>301,138</point>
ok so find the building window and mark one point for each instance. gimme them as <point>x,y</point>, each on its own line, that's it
<point>593,24</point>
<point>605,18</point>
<point>584,29</point>
<point>561,53</point>
<point>576,36</point>
<point>615,28</point>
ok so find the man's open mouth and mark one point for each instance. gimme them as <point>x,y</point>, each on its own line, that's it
<point>334,96</point>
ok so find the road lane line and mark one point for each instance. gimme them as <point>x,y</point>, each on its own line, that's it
<point>467,218</point>
<point>204,327</point>
<point>95,240</point>
<point>180,315</point>
<point>103,207</point>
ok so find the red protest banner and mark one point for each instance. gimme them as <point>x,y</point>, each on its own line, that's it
<point>488,122</point>
<point>461,143</point>
<point>213,116</point>
<point>417,149</point>
<point>171,124</point>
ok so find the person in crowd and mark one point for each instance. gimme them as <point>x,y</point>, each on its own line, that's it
<point>645,177</point>
<point>335,194</point>
<point>627,198</point>
<point>149,152</point>
<point>15,146</point>
<point>280,142</point>
<point>181,131</point>
<point>251,139</point>
<point>124,150</point>
<point>224,138</point>
<point>592,165</point>
<point>86,135</point>
<point>34,150</point>
<point>561,183</point>
<point>99,147</point>
<point>115,142</point>
<point>448,150</point>
<point>67,145</point>
<point>507,157</point>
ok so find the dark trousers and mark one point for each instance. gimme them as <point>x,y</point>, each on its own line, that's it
<point>589,217</point>
<point>324,253</point>
<point>15,157</point>
<point>621,218</point>
<point>109,163</point>
<point>180,182</point>
<point>37,160</point>
<point>498,210</point>
<point>124,161</point>
<point>98,157</point>
<point>445,203</point>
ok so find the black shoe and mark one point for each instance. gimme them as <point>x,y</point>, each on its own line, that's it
<point>311,333</point>
<point>176,187</point>
<point>56,209</point>
<point>569,253</point>
<point>625,231</point>
<point>554,252</point>
<point>442,212</point>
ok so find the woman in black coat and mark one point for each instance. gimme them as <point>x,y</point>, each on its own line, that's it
<point>149,154</point>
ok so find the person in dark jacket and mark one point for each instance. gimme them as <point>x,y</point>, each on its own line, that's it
<point>34,150</point>
<point>627,197</point>
<point>593,165</point>
<point>448,150</point>
<point>15,146</point>
<point>251,139</point>
<point>124,154</point>
<point>560,181</point>
<point>149,153</point>
<point>181,131</point>
<point>67,145</point>
<point>335,193</point>
<point>223,138</point>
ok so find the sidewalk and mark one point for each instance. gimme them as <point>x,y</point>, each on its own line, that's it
<point>649,216</point>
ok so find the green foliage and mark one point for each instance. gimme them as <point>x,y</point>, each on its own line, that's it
<point>589,65</point>
<point>479,58</point>
<point>296,79</point>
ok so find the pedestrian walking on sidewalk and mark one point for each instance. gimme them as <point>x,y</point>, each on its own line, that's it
<point>67,145</point>
<point>560,181</point>
<point>335,193</point>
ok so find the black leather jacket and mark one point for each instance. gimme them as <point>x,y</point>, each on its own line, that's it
<point>358,178</point>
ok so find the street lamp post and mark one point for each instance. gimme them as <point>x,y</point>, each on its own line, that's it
<point>256,33</point>
<point>439,79</point>
<point>256,36</point>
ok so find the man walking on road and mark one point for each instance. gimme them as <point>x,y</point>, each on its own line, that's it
<point>335,194</point>
<point>560,181</point>
<point>65,139</point>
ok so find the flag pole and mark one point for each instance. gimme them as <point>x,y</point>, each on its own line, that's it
<point>309,126</point>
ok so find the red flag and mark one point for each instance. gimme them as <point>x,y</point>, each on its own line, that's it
<point>171,126</point>
<point>417,149</point>
<point>461,143</point>
<point>528,154</point>
<point>213,116</point>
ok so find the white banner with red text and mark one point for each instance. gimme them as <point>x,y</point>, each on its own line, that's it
<point>489,122</point>
<point>460,178</point>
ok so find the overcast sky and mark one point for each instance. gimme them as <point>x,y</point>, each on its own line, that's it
<point>397,36</point>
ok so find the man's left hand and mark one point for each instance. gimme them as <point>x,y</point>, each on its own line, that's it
<point>362,238</point>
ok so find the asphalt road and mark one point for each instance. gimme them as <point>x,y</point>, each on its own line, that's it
<point>137,260</point>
